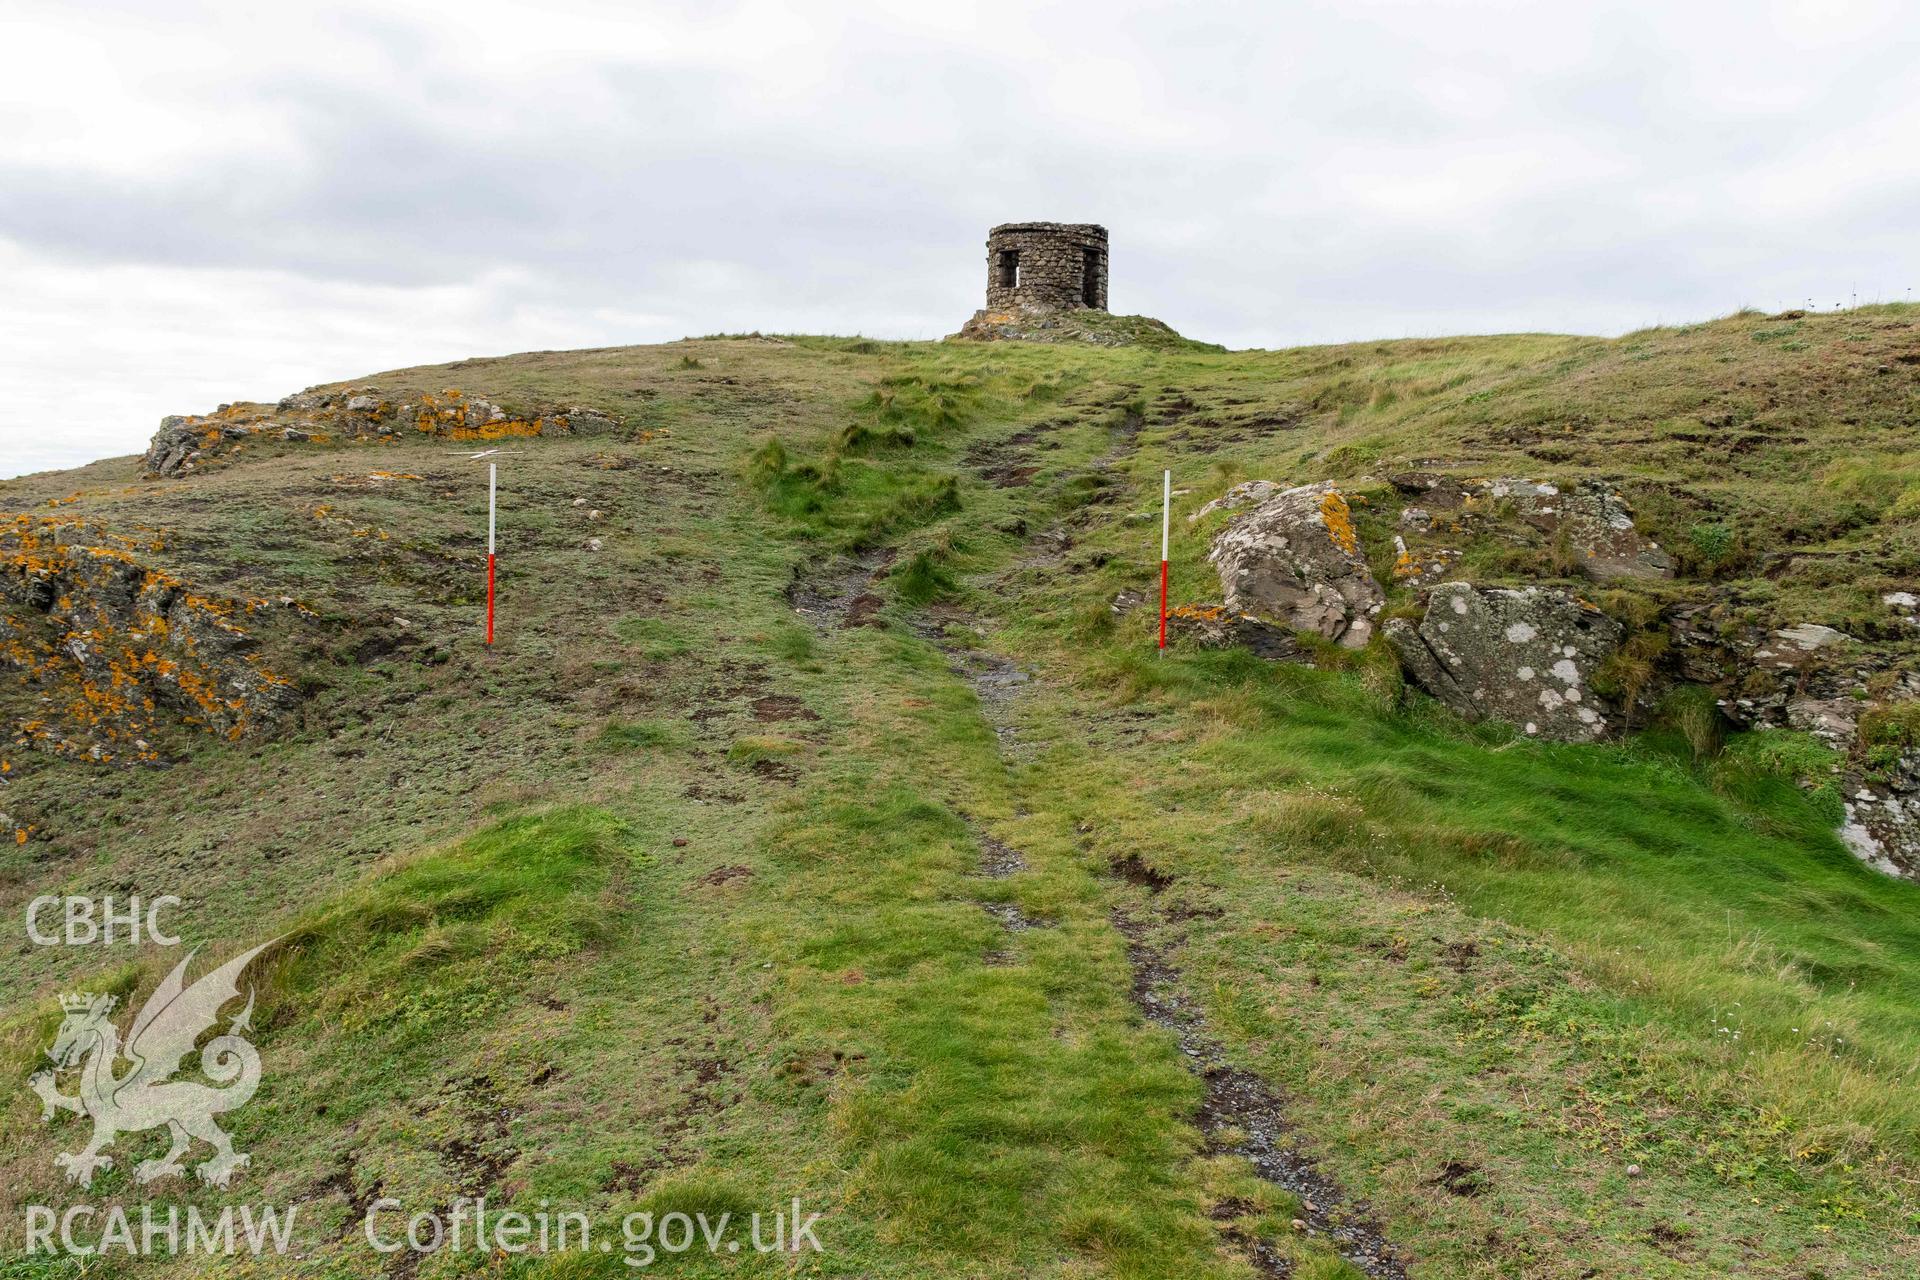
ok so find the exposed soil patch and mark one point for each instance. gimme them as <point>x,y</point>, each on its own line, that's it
<point>482,1150</point>
<point>998,858</point>
<point>835,595</point>
<point>344,1182</point>
<point>780,706</point>
<point>632,1175</point>
<point>720,875</point>
<point>1134,870</point>
<point>996,681</point>
<point>1015,920</point>
<point>1002,462</point>
<point>863,611</point>
<point>774,771</point>
<point>1459,1178</point>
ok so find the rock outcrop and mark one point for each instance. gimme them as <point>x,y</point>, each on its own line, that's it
<point>1880,781</point>
<point>1030,323</point>
<point>119,655</point>
<point>1218,627</point>
<point>1245,494</point>
<point>1295,560</point>
<point>354,415</point>
<point>1524,656</point>
<point>1596,522</point>
<point>1882,825</point>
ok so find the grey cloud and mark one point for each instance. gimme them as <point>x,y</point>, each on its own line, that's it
<point>1271,175</point>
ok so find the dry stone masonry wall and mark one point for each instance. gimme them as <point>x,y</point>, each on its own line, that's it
<point>1046,264</point>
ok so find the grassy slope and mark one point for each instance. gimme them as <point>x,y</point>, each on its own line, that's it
<point>1527,959</point>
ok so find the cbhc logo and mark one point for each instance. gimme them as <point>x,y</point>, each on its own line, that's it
<point>84,922</point>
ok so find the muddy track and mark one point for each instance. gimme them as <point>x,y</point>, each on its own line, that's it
<point>840,593</point>
<point>1241,1113</point>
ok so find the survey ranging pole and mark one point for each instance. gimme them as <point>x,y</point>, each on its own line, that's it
<point>1166,518</point>
<point>493,488</point>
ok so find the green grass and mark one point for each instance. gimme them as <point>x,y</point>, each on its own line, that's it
<point>671,901</point>
<point>641,735</point>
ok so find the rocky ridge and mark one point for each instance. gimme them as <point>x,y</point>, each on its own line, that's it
<point>1542,657</point>
<point>354,415</point>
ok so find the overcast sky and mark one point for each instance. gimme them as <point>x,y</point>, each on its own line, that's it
<point>202,203</point>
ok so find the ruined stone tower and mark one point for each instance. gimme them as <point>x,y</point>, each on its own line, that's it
<point>1046,264</point>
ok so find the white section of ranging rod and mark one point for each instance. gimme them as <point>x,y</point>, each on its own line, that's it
<point>1166,509</point>
<point>493,482</point>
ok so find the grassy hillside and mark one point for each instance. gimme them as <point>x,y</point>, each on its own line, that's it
<point>818,827</point>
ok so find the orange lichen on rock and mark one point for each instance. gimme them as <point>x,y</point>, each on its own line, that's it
<point>1338,517</point>
<point>355,415</point>
<point>110,643</point>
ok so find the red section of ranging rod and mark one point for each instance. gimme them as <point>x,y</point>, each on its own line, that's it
<point>1163,604</point>
<point>490,559</point>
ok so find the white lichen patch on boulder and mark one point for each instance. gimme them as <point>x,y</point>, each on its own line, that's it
<point>1522,656</point>
<point>1794,646</point>
<point>1295,559</point>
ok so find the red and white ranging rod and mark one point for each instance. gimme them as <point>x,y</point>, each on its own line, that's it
<point>1166,517</point>
<point>493,486</point>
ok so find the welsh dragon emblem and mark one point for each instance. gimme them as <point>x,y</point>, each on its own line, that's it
<point>145,1096</point>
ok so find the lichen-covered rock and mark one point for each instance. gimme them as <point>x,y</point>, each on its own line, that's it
<point>1245,494</point>
<point>1423,566</point>
<point>1218,627</point>
<point>1795,646</point>
<point>1880,782</point>
<point>355,415</point>
<point>1522,656</point>
<point>1295,560</point>
<point>1595,520</point>
<point>120,655</point>
<point>1882,825</point>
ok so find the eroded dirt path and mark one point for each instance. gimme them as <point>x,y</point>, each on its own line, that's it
<point>1245,1116</point>
<point>1241,1113</point>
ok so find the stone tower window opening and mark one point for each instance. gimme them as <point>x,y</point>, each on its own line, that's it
<point>1009,269</point>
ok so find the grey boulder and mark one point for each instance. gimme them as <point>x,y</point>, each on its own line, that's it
<point>1295,560</point>
<point>1523,656</point>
